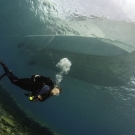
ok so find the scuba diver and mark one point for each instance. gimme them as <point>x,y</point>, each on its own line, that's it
<point>39,87</point>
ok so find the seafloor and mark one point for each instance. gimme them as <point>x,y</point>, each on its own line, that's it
<point>14,121</point>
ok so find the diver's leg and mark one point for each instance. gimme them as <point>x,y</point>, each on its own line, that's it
<point>24,83</point>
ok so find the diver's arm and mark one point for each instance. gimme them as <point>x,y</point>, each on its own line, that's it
<point>43,97</point>
<point>39,98</point>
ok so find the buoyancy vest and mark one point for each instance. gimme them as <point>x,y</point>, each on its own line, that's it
<point>40,81</point>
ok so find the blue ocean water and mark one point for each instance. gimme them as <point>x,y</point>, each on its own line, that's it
<point>98,92</point>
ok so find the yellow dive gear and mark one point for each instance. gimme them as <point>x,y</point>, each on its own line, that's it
<point>31,98</point>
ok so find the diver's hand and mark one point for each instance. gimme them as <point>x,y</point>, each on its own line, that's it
<point>39,97</point>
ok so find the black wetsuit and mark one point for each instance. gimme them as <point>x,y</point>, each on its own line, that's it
<point>33,84</point>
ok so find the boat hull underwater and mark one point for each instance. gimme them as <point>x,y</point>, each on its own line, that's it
<point>93,60</point>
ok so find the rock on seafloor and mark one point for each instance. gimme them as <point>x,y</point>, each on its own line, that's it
<point>14,121</point>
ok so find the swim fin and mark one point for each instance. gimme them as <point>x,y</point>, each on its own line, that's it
<point>2,76</point>
<point>4,66</point>
<point>1,62</point>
